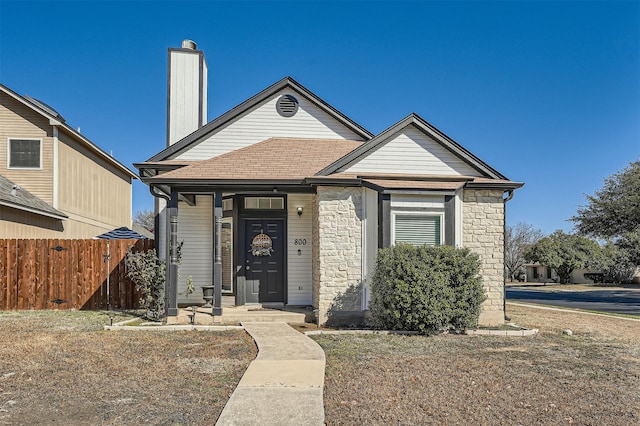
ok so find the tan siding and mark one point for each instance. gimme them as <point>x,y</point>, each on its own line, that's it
<point>264,122</point>
<point>20,224</point>
<point>94,192</point>
<point>19,121</point>
<point>411,151</point>
<point>299,266</point>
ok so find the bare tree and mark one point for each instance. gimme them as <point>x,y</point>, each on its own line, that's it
<point>517,240</point>
<point>145,218</point>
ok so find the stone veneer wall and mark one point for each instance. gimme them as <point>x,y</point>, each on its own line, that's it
<point>337,254</point>
<point>483,232</point>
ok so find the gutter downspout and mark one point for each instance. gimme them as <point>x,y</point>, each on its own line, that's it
<point>504,250</point>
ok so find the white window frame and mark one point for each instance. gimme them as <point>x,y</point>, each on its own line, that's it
<point>268,203</point>
<point>230,221</point>
<point>394,213</point>
<point>9,166</point>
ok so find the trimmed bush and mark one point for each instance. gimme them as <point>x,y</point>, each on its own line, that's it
<point>426,289</point>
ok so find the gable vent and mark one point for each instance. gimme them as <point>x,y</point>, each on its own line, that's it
<point>287,106</point>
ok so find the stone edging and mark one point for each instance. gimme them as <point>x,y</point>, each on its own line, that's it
<point>176,327</point>
<point>385,332</point>
<point>507,333</point>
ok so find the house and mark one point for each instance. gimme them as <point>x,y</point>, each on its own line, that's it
<point>284,200</point>
<point>537,273</point>
<point>54,182</point>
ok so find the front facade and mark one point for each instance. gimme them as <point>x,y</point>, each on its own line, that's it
<point>57,183</point>
<point>283,200</point>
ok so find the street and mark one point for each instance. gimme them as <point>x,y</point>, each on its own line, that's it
<point>614,301</point>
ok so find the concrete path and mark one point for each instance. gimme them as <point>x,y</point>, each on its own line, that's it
<point>283,385</point>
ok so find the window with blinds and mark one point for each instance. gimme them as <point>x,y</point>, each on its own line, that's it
<point>417,229</point>
<point>24,153</point>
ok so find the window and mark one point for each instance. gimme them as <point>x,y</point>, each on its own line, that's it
<point>264,203</point>
<point>24,153</point>
<point>417,228</point>
<point>226,237</point>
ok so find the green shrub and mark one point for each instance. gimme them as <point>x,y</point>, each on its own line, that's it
<point>426,289</point>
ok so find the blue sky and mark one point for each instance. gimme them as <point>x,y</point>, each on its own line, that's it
<point>547,93</point>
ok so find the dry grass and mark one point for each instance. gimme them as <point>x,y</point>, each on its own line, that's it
<point>60,367</point>
<point>590,378</point>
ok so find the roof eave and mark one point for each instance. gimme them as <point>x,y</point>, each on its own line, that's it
<point>59,215</point>
<point>158,180</point>
<point>504,186</point>
<point>323,181</point>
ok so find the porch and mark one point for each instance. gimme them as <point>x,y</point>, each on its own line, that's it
<point>235,314</point>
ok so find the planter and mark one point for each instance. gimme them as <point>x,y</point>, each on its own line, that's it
<point>207,295</point>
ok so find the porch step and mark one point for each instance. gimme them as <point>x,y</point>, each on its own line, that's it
<point>237,314</point>
<point>230,315</point>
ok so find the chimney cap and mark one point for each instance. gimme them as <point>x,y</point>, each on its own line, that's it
<point>189,44</point>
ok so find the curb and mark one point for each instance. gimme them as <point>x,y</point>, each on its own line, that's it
<point>571,310</point>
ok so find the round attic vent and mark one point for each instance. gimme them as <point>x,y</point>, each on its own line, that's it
<point>287,106</point>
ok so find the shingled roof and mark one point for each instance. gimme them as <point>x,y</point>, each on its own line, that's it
<point>11,195</point>
<point>274,158</point>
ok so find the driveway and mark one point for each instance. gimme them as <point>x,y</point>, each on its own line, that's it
<point>617,301</point>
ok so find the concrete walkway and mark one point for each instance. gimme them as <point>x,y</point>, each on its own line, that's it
<point>283,385</point>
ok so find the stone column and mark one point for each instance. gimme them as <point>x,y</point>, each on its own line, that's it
<point>337,265</point>
<point>483,233</point>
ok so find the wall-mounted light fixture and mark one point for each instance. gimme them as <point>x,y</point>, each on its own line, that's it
<point>299,211</point>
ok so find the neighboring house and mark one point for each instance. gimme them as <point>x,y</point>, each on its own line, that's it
<point>537,273</point>
<point>55,182</point>
<point>284,200</point>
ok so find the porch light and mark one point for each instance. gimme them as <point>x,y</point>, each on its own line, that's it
<point>299,211</point>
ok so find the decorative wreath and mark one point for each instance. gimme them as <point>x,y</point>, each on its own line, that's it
<point>261,245</point>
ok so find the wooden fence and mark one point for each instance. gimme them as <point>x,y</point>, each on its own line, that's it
<point>67,274</point>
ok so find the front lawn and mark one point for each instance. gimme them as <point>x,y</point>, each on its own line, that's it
<point>592,377</point>
<point>61,367</point>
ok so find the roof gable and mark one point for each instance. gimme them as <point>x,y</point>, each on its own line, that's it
<point>55,119</point>
<point>316,119</point>
<point>412,146</point>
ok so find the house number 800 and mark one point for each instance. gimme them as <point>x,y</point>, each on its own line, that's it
<point>300,242</point>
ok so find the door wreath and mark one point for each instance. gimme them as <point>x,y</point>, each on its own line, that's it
<point>261,245</point>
